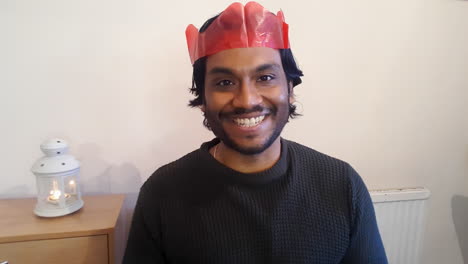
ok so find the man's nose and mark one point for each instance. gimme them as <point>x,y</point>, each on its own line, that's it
<point>247,96</point>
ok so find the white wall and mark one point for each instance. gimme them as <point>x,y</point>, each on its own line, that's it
<point>385,89</point>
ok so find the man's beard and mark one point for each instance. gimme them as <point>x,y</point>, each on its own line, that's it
<point>280,118</point>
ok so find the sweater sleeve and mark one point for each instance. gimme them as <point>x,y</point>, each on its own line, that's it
<point>366,245</point>
<point>143,244</point>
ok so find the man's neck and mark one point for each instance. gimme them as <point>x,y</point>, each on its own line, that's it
<point>247,163</point>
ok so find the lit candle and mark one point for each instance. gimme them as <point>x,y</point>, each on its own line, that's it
<point>54,193</point>
<point>72,186</point>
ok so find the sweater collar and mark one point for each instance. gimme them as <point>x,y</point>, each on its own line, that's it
<point>275,172</point>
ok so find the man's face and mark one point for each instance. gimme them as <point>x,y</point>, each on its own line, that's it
<point>246,98</point>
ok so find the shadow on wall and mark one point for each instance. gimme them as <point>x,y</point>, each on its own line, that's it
<point>98,176</point>
<point>460,220</point>
<point>124,223</point>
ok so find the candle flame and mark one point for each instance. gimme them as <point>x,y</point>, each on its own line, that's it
<point>55,194</point>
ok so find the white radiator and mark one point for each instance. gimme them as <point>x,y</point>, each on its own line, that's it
<point>401,219</point>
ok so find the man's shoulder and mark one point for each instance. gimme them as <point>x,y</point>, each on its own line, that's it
<point>175,173</point>
<point>329,176</point>
<point>320,168</point>
<point>307,154</point>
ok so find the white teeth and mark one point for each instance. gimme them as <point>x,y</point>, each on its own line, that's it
<point>249,122</point>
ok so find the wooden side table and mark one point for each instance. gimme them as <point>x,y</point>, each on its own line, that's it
<point>86,236</point>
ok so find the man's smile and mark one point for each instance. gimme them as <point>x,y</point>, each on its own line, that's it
<point>249,122</point>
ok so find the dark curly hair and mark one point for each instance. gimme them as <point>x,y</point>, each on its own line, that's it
<point>293,75</point>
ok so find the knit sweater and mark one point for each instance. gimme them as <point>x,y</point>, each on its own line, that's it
<point>307,208</point>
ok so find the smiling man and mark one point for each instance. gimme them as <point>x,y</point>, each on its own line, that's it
<point>247,98</point>
<point>249,196</point>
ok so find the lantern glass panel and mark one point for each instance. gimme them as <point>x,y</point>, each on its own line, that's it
<point>71,189</point>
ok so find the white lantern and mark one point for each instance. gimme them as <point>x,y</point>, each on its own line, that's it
<point>58,192</point>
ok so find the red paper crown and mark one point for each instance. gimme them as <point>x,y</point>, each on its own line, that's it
<point>239,27</point>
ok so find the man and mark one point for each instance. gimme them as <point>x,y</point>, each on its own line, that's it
<point>249,196</point>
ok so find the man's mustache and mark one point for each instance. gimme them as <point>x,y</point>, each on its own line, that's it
<point>255,109</point>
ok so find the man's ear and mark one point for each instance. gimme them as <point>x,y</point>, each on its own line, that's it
<point>291,93</point>
<point>202,108</point>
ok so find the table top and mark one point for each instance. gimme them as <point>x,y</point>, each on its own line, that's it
<point>19,223</point>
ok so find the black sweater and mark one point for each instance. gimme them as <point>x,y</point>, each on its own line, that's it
<point>307,208</point>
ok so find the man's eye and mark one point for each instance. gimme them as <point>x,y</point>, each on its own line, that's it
<point>224,83</point>
<point>265,78</point>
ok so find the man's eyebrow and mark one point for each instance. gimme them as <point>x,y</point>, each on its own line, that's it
<point>263,67</point>
<point>221,70</point>
<point>267,66</point>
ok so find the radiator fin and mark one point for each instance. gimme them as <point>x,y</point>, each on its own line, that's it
<point>401,218</point>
